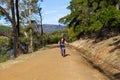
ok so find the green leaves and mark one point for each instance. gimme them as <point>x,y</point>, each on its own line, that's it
<point>109,16</point>
<point>4,42</point>
<point>96,26</point>
<point>89,16</point>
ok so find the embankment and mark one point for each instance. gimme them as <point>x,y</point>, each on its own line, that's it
<point>104,54</point>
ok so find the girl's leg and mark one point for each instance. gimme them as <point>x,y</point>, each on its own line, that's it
<point>64,51</point>
<point>61,51</point>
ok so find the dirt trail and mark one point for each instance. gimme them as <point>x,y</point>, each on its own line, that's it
<point>50,65</point>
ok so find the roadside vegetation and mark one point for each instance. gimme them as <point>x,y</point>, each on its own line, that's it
<point>97,19</point>
<point>6,44</point>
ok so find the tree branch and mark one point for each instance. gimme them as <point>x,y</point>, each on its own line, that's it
<point>5,34</point>
<point>6,13</point>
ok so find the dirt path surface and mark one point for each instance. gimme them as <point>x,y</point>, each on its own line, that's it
<point>50,65</point>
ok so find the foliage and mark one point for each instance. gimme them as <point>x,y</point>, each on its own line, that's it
<point>25,39</point>
<point>4,58</point>
<point>90,16</point>
<point>72,34</point>
<point>29,9</point>
<point>4,46</point>
<point>5,29</point>
<point>55,36</point>
<point>4,41</point>
<point>13,13</point>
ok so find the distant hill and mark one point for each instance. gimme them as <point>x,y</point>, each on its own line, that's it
<point>47,28</point>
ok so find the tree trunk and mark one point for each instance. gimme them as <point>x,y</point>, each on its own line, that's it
<point>41,23</point>
<point>30,48</point>
<point>17,15</point>
<point>118,5</point>
<point>41,28</point>
<point>19,51</point>
<point>15,32</point>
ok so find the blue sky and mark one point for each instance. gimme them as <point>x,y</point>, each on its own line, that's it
<point>53,10</point>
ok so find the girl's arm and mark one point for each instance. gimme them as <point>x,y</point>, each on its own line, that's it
<point>66,42</point>
<point>58,42</point>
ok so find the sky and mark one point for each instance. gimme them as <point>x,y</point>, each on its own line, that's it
<point>52,10</point>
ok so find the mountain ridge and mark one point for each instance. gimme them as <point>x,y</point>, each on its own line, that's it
<point>48,28</point>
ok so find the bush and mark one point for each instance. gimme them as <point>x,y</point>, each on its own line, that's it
<point>55,36</point>
<point>4,46</point>
<point>4,57</point>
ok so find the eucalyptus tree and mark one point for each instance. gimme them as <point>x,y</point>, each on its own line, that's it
<point>29,10</point>
<point>9,9</point>
<point>12,12</point>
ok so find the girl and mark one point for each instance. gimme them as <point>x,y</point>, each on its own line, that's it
<point>62,43</point>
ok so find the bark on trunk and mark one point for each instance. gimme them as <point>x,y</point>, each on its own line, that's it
<point>41,28</point>
<point>15,33</point>
<point>118,5</point>
<point>30,49</point>
<point>17,15</point>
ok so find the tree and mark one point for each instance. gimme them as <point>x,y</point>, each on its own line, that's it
<point>4,46</point>
<point>12,12</point>
<point>78,16</point>
<point>13,18</point>
<point>91,16</point>
<point>29,9</point>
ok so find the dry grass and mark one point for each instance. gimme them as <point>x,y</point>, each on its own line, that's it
<point>105,53</point>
